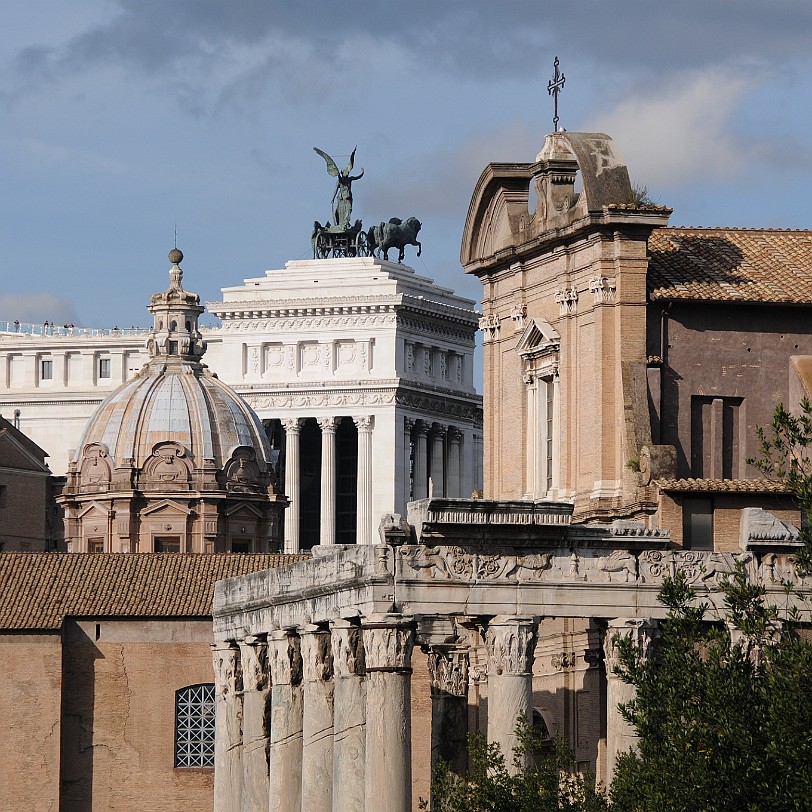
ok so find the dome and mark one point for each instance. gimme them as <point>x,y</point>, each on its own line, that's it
<point>180,404</point>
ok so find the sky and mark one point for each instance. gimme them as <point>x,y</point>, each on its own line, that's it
<point>121,120</point>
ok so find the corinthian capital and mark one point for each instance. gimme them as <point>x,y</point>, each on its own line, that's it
<point>641,632</point>
<point>511,642</point>
<point>348,649</point>
<point>388,643</point>
<point>293,425</point>
<point>448,671</point>
<point>227,671</point>
<point>254,661</point>
<point>284,658</point>
<point>317,655</point>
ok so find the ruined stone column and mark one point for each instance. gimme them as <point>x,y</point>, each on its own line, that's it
<point>256,700</point>
<point>511,642</point>
<point>328,480</point>
<point>349,715</point>
<point>293,427</point>
<point>421,472</point>
<point>364,531</point>
<point>285,753</point>
<point>228,727</point>
<point>449,707</point>
<point>388,641</point>
<point>317,720</point>
<point>620,735</point>
<point>437,460</point>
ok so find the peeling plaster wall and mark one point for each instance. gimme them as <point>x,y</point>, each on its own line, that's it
<point>30,691</point>
<point>120,679</point>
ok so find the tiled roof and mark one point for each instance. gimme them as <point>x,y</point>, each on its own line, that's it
<point>721,485</point>
<point>731,265</point>
<point>38,590</point>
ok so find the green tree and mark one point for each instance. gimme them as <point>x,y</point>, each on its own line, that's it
<point>724,712</point>
<point>547,785</point>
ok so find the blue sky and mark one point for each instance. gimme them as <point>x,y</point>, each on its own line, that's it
<point>120,118</point>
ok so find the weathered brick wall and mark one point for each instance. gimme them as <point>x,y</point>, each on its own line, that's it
<point>23,510</point>
<point>120,679</point>
<point>30,697</point>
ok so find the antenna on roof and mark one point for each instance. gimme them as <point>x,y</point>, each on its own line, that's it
<point>176,233</point>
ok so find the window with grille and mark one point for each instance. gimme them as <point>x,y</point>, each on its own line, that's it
<point>194,726</point>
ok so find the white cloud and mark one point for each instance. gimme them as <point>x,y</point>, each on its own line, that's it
<point>36,308</point>
<point>684,131</point>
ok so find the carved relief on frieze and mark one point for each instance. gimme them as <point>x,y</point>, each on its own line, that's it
<point>95,467</point>
<point>227,670</point>
<point>454,563</point>
<point>511,643</point>
<point>448,671</point>
<point>168,467</point>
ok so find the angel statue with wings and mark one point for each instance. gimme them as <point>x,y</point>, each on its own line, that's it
<point>343,191</point>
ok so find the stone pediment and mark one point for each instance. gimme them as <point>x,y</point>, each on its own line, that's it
<point>243,508</point>
<point>538,339</point>
<point>94,508</point>
<point>164,506</point>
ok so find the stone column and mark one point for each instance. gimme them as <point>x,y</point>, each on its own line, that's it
<point>293,427</point>
<point>453,458</point>
<point>317,720</point>
<point>421,474</point>
<point>388,643</point>
<point>408,425</point>
<point>285,752</point>
<point>511,642</point>
<point>228,727</point>
<point>364,532</point>
<point>328,480</point>
<point>349,716</point>
<point>620,735</point>
<point>437,460</point>
<point>448,671</point>
<point>256,701</point>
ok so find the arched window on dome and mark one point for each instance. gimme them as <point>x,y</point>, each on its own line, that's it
<point>194,726</point>
<point>188,327</point>
<point>174,326</point>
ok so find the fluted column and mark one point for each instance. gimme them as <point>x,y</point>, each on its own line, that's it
<point>388,643</point>
<point>453,456</point>
<point>620,735</point>
<point>256,700</point>
<point>317,720</point>
<point>293,427</point>
<point>421,473</point>
<point>511,642</point>
<point>364,531</point>
<point>228,727</point>
<point>285,752</point>
<point>448,671</point>
<point>437,460</point>
<point>349,716</point>
<point>408,425</point>
<point>328,480</point>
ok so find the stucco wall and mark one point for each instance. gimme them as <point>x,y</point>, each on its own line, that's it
<point>30,696</point>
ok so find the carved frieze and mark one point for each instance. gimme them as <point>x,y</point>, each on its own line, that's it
<point>454,563</point>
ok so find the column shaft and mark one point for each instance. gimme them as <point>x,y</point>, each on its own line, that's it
<point>511,642</point>
<point>327,533</point>
<point>349,717</point>
<point>285,751</point>
<point>453,489</point>
<point>292,480</point>
<point>317,721</point>
<point>256,701</point>
<point>364,529</point>
<point>437,460</point>
<point>228,727</point>
<point>421,474</point>
<point>387,649</point>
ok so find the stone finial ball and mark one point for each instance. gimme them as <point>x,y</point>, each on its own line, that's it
<point>176,256</point>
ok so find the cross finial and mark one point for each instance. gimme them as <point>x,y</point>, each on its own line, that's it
<point>554,87</point>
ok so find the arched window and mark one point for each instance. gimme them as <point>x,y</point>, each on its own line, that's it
<point>194,726</point>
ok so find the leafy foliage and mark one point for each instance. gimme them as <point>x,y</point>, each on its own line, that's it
<point>547,785</point>
<point>724,712</point>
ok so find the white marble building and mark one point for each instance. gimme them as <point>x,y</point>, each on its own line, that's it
<point>368,365</point>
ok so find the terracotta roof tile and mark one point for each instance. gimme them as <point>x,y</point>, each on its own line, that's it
<point>721,485</point>
<point>731,265</point>
<point>38,590</point>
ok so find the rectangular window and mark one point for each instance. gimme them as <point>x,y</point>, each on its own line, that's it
<point>167,544</point>
<point>241,546</point>
<point>95,545</point>
<point>46,369</point>
<point>194,726</point>
<point>697,523</point>
<point>104,367</point>
<point>172,347</point>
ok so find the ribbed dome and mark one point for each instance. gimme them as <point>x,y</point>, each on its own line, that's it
<point>175,402</point>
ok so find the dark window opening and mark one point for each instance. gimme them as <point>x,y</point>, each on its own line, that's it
<point>167,544</point>
<point>346,481</point>
<point>697,523</point>
<point>309,484</point>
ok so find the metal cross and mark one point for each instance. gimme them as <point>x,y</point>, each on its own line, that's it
<point>554,87</point>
